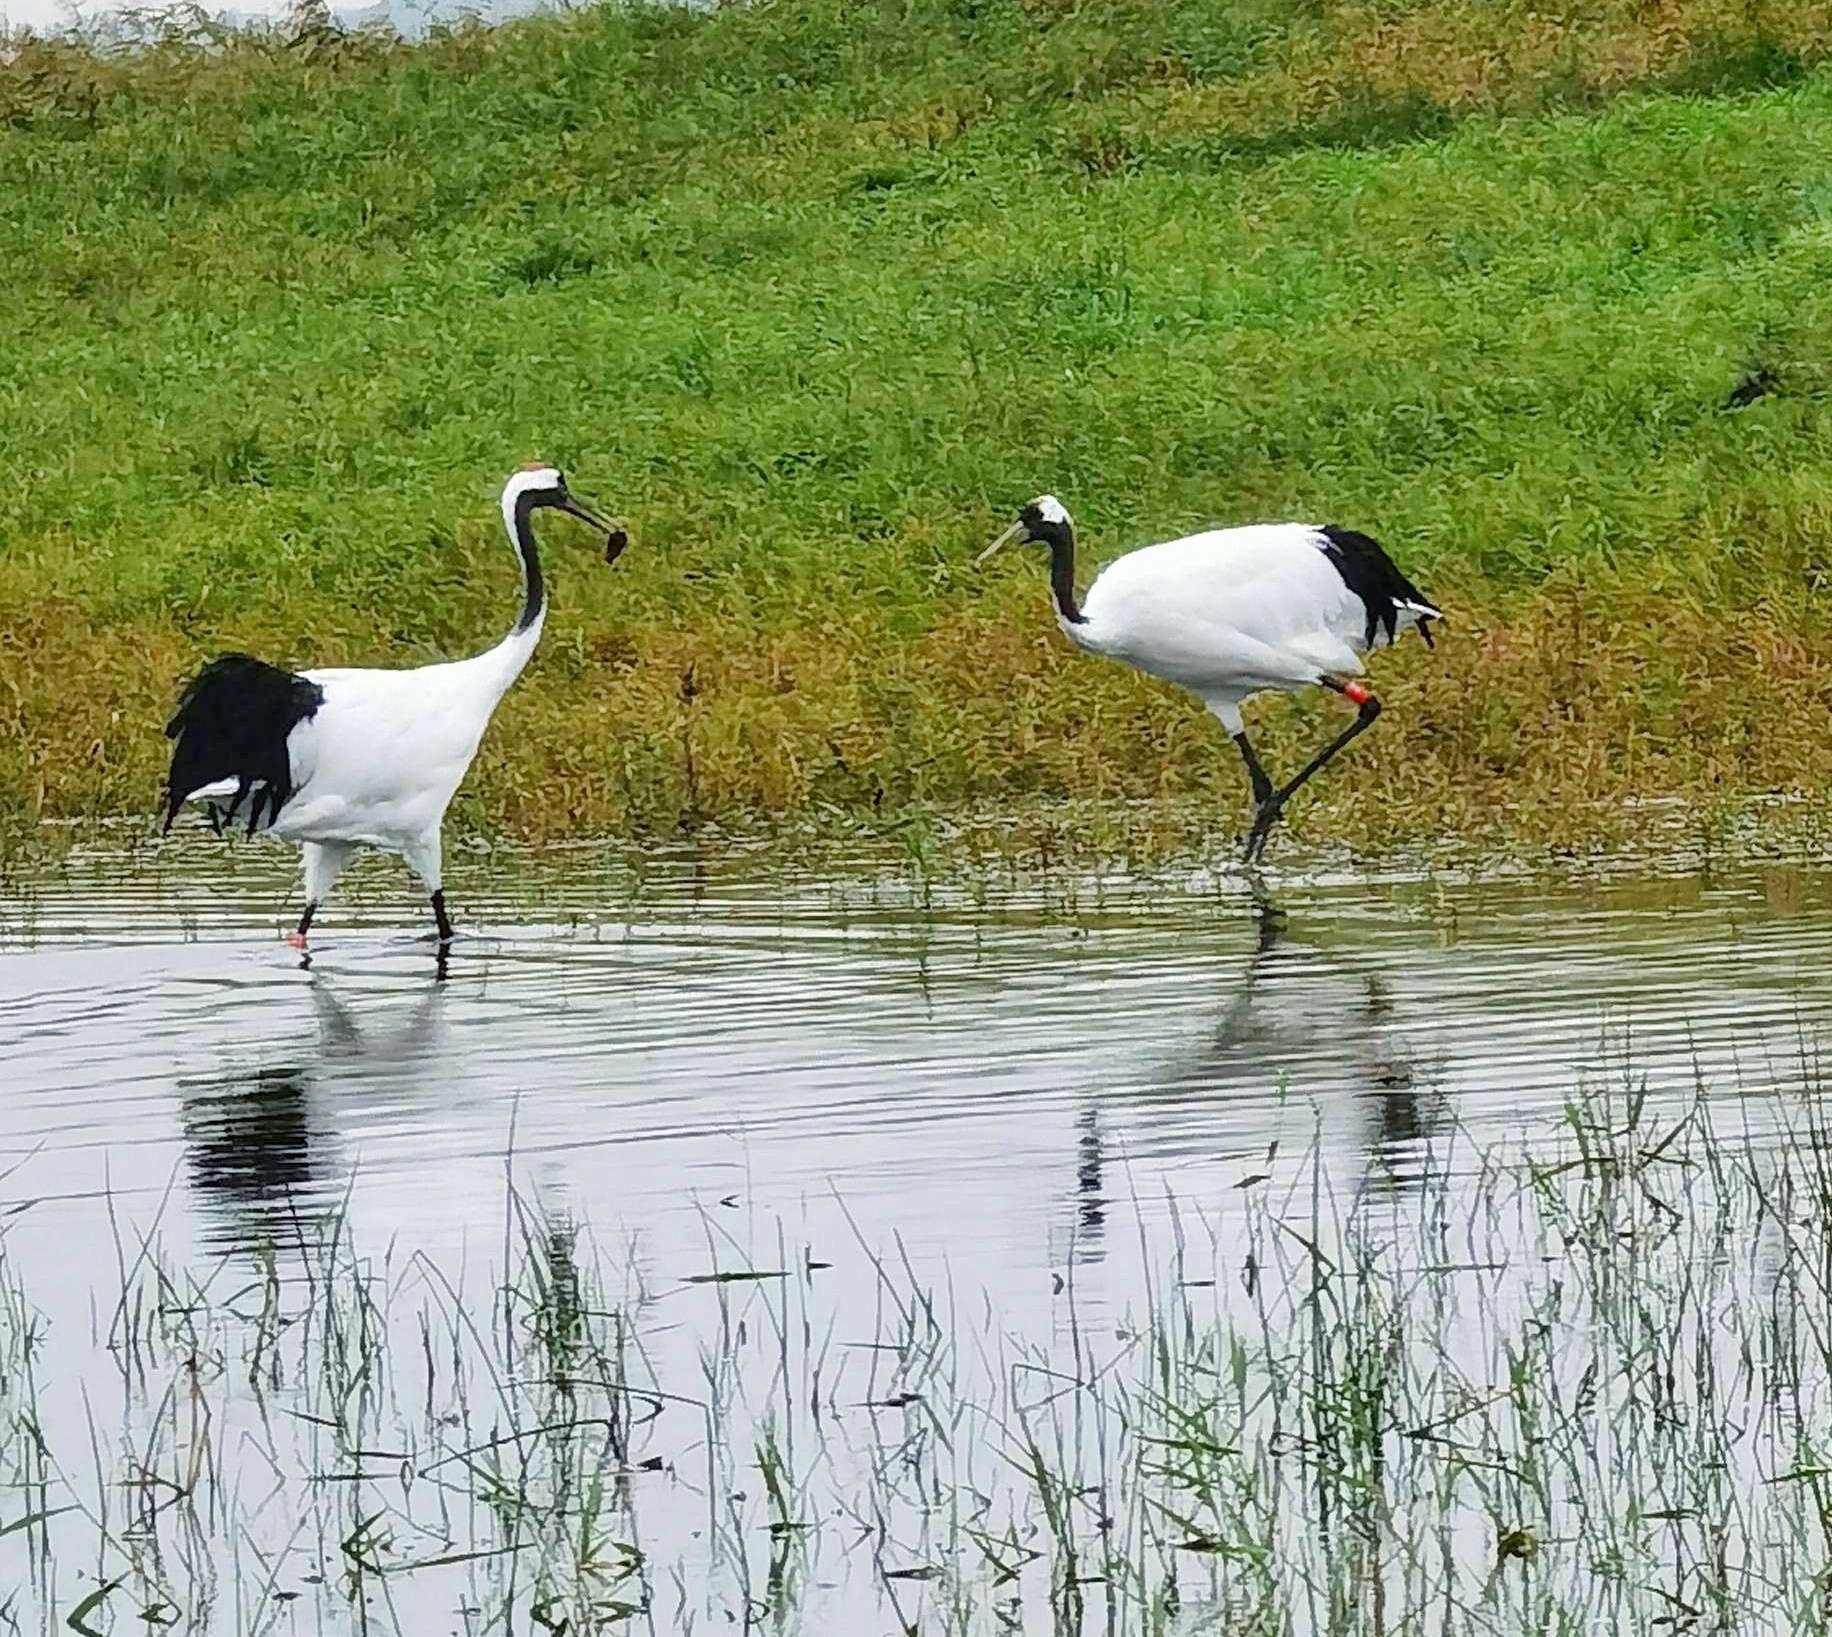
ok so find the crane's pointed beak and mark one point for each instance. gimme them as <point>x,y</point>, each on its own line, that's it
<point>1004,539</point>
<point>615,536</point>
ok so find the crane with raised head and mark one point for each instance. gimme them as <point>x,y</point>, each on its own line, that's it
<point>333,760</point>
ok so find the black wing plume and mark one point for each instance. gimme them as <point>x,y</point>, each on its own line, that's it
<point>1374,577</point>
<point>232,722</point>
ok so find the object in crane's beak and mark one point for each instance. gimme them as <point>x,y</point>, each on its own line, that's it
<point>615,539</point>
<point>1004,539</point>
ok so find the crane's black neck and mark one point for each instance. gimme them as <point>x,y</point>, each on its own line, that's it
<point>534,588</point>
<point>1062,571</point>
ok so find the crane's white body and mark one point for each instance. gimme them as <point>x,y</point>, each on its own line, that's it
<point>1229,613</point>
<point>379,761</point>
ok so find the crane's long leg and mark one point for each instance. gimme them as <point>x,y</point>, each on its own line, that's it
<point>324,862</point>
<point>1265,798</point>
<point>1271,802</point>
<point>1262,786</point>
<point>424,858</point>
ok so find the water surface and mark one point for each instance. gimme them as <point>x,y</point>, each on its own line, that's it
<point>1029,1092</point>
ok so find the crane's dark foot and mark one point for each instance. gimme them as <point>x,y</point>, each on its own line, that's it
<point>1265,908</point>
<point>1269,921</point>
<point>1265,816</point>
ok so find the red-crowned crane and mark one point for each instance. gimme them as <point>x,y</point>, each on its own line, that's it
<point>1230,613</point>
<point>339,759</point>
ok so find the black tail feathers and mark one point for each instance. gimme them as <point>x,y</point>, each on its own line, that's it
<point>232,722</point>
<point>1374,577</point>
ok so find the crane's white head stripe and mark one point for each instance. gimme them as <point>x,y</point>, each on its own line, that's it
<point>531,479</point>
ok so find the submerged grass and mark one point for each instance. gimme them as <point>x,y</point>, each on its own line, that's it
<point>816,293</point>
<point>1577,1387</point>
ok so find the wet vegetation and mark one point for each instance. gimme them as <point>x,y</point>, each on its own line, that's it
<point>1575,1386</point>
<point>815,293</point>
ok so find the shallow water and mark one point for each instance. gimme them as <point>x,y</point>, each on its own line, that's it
<point>1024,1090</point>
<point>411,18</point>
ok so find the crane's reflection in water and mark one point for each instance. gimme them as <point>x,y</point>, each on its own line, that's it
<point>251,1149</point>
<point>1295,1000</point>
<point>264,1142</point>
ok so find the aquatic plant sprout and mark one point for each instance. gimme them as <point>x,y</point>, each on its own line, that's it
<point>1571,1385</point>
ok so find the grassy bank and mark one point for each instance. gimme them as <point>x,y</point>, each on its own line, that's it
<point>815,293</point>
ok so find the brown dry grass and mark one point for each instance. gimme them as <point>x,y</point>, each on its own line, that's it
<point>1544,719</point>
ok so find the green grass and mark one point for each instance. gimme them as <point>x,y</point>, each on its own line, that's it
<point>816,293</point>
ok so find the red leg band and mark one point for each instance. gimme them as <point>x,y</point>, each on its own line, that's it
<point>1355,693</point>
